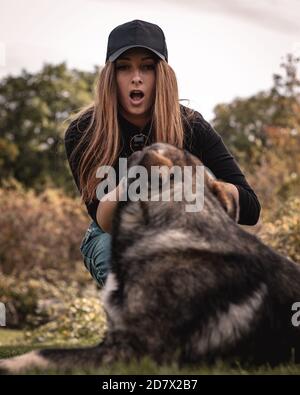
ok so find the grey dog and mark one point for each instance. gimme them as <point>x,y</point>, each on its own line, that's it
<point>189,287</point>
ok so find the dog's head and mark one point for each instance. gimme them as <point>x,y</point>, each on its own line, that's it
<point>168,156</point>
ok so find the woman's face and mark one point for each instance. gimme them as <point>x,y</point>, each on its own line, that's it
<point>135,76</point>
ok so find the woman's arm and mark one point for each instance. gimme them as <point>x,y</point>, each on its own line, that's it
<point>107,206</point>
<point>209,146</point>
<point>73,136</point>
<point>100,211</point>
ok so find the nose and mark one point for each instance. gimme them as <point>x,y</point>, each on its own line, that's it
<point>136,78</point>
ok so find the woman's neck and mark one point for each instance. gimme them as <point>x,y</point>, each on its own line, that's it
<point>137,120</point>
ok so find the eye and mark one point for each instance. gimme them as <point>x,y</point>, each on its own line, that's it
<point>122,67</point>
<point>148,67</point>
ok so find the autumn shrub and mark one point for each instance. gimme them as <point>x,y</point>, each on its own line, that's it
<point>39,231</point>
<point>78,321</point>
<point>281,228</point>
<point>40,263</point>
<point>36,301</point>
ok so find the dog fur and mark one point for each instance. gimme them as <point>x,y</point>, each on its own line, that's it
<point>187,287</point>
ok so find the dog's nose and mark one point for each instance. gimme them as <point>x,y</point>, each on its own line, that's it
<point>154,154</point>
<point>153,157</point>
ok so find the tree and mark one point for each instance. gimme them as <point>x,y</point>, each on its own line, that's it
<point>33,110</point>
<point>248,125</point>
<point>263,132</point>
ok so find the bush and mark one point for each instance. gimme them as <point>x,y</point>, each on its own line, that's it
<point>39,231</point>
<point>80,321</point>
<point>282,229</point>
<point>40,262</point>
<point>34,302</point>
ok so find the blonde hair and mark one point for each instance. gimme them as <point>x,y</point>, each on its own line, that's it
<point>102,137</point>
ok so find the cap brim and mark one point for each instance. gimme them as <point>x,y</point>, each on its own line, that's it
<point>116,54</point>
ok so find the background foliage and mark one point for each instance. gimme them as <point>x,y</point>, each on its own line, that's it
<point>33,113</point>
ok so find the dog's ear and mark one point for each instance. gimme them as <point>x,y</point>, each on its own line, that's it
<point>226,198</point>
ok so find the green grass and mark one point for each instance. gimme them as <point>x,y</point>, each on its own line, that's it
<point>7,336</point>
<point>146,366</point>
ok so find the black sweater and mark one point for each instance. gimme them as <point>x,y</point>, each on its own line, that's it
<point>199,138</point>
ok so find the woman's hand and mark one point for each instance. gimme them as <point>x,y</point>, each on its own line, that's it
<point>107,206</point>
<point>231,188</point>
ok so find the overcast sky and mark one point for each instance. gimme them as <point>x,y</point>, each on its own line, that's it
<point>219,49</point>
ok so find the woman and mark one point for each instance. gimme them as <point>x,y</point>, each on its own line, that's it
<point>136,104</point>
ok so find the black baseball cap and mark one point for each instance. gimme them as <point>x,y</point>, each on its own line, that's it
<point>136,33</point>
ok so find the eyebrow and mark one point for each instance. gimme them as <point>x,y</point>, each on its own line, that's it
<point>147,57</point>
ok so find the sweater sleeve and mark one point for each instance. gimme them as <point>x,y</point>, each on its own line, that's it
<point>210,148</point>
<point>72,138</point>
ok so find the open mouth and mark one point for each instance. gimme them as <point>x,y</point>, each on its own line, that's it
<point>136,95</point>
